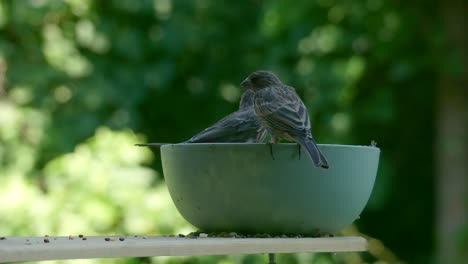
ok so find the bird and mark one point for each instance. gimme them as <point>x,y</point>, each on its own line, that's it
<point>282,113</point>
<point>242,125</point>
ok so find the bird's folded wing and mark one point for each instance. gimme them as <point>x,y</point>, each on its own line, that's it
<point>284,113</point>
<point>236,123</point>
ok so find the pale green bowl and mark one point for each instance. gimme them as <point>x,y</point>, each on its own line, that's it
<point>240,187</point>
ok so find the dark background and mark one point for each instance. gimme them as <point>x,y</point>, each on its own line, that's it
<point>81,81</point>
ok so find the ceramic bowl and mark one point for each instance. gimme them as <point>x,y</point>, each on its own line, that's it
<point>244,188</point>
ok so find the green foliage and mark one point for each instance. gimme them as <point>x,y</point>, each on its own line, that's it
<point>96,189</point>
<point>77,76</point>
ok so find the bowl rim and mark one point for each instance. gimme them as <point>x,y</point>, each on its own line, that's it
<point>231,144</point>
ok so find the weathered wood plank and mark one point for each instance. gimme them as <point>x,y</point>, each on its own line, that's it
<point>35,248</point>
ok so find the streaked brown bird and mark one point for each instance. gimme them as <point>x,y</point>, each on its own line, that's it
<point>240,126</point>
<point>282,113</point>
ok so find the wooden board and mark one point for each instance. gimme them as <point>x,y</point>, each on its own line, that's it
<point>35,248</point>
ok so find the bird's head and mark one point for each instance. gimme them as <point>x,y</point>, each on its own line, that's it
<point>259,80</point>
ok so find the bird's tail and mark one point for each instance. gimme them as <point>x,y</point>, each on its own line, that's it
<point>314,152</point>
<point>157,145</point>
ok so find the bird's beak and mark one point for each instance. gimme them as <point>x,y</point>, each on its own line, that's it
<point>245,83</point>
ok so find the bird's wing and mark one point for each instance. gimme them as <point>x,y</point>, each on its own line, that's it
<point>282,109</point>
<point>236,127</point>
